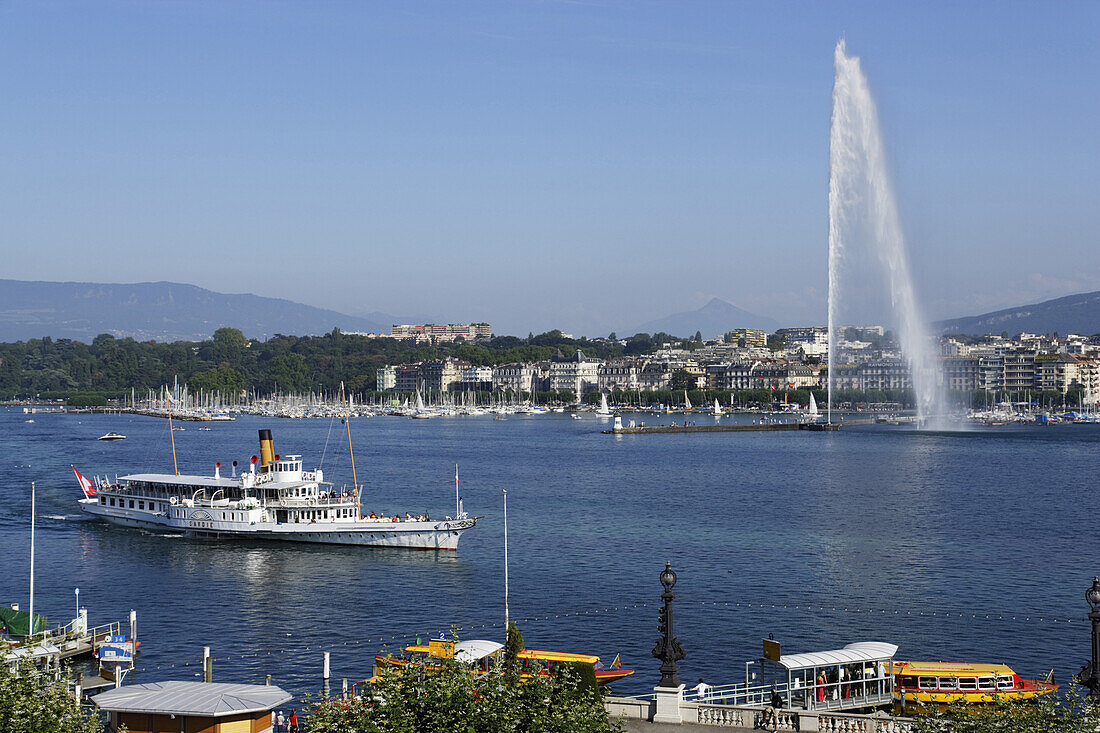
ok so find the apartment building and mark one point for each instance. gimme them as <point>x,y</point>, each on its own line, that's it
<point>515,377</point>
<point>747,337</point>
<point>580,374</point>
<point>621,374</point>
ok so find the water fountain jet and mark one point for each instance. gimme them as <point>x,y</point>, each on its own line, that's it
<point>861,199</point>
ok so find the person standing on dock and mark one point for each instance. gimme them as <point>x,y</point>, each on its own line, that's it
<point>776,703</point>
<point>280,723</point>
<point>293,722</point>
<point>701,690</point>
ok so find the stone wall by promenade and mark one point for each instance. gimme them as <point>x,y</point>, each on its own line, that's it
<point>637,716</point>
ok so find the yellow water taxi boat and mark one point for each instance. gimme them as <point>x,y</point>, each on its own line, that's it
<point>926,686</point>
<point>484,655</point>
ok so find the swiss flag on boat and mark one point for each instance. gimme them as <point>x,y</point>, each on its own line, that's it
<point>85,484</point>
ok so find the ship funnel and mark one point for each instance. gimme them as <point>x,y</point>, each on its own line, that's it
<point>267,450</point>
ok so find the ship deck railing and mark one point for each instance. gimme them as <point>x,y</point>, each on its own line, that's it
<point>850,695</point>
<point>311,501</point>
<point>71,642</point>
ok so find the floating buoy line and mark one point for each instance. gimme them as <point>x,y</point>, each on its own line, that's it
<point>681,605</point>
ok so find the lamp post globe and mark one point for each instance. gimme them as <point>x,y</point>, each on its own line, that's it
<point>1090,674</point>
<point>1092,595</point>
<point>668,577</point>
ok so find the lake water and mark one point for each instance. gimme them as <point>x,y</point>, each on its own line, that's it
<point>973,546</point>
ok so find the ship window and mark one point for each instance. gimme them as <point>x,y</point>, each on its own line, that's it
<point>908,681</point>
<point>112,502</point>
<point>102,500</point>
<point>131,503</point>
<point>141,505</point>
<point>986,683</point>
<point>968,683</point>
<point>927,683</point>
<point>948,683</point>
<point>1005,682</point>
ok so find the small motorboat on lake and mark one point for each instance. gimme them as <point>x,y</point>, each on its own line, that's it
<point>485,655</point>
<point>112,436</point>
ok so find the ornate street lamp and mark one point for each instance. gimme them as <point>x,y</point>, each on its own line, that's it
<point>668,648</point>
<point>1090,674</point>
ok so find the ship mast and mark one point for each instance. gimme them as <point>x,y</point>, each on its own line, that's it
<point>351,452</point>
<point>171,433</point>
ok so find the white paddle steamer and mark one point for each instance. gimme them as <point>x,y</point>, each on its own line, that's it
<point>274,500</point>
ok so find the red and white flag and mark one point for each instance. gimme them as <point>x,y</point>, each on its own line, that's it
<point>85,484</point>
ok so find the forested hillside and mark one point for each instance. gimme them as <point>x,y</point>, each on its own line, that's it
<point>229,362</point>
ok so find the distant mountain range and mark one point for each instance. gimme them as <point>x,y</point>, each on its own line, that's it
<point>160,311</point>
<point>165,311</point>
<point>712,320</point>
<point>1072,314</point>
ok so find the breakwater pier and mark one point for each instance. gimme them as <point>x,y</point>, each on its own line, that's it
<point>619,429</point>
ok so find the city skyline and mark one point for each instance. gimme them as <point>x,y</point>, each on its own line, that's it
<point>583,166</point>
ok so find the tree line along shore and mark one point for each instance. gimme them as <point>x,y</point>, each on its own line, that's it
<point>229,364</point>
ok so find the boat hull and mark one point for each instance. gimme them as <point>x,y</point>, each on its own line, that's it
<point>922,702</point>
<point>411,535</point>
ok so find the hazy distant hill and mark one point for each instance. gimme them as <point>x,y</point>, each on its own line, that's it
<point>159,311</point>
<point>1072,314</point>
<point>713,319</point>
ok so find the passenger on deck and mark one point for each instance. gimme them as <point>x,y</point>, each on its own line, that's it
<point>821,687</point>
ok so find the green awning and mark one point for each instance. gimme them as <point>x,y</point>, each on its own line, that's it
<point>17,623</point>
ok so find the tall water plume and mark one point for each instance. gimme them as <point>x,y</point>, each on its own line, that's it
<point>863,211</point>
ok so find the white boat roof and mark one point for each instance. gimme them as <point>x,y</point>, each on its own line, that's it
<point>36,652</point>
<point>860,651</point>
<point>208,481</point>
<point>208,699</point>
<point>471,651</point>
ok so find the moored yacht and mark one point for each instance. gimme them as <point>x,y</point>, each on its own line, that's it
<point>275,499</point>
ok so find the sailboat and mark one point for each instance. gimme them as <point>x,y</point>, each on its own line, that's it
<point>604,408</point>
<point>421,412</point>
<point>718,412</point>
<point>687,402</point>
<point>813,407</point>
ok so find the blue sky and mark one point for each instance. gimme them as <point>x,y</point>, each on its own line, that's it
<point>582,165</point>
